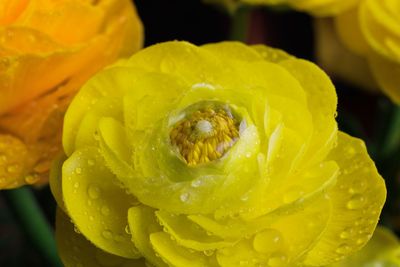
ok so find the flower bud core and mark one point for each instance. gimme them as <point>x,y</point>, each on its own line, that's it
<point>207,131</point>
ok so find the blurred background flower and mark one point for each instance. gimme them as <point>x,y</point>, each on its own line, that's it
<point>47,50</point>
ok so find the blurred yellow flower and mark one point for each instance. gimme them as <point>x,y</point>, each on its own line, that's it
<point>220,155</point>
<point>314,7</point>
<point>381,251</point>
<point>48,49</point>
<point>372,30</point>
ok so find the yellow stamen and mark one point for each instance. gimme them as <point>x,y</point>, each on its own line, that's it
<point>205,135</point>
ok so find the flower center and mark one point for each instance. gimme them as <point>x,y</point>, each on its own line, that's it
<point>206,134</point>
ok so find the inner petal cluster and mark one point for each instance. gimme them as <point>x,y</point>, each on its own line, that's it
<point>206,134</point>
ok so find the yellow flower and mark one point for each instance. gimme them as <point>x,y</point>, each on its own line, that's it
<point>48,49</point>
<point>372,30</point>
<point>314,7</point>
<point>382,250</point>
<point>220,155</point>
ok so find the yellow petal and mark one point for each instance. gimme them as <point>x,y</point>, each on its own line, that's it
<point>75,250</point>
<point>271,54</point>
<point>142,223</point>
<point>282,241</point>
<point>322,101</point>
<point>186,234</point>
<point>96,203</point>
<point>233,51</point>
<point>175,255</point>
<point>111,83</point>
<point>87,133</point>
<point>356,200</point>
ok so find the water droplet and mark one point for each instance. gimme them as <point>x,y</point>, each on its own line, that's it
<point>196,183</point>
<point>362,240</point>
<point>184,197</point>
<point>244,197</point>
<point>76,230</point>
<point>346,233</point>
<point>76,184</point>
<point>267,241</point>
<point>32,178</point>
<point>127,230</point>
<point>358,187</point>
<point>277,260</point>
<point>356,202</point>
<point>208,252</point>
<point>105,210</point>
<point>107,234</point>
<point>119,238</point>
<point>78,170</point>
<point>93,191</point>
<point>12,168</point>
<point>344,249</point>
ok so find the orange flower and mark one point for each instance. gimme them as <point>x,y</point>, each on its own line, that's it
<point>48,49</point>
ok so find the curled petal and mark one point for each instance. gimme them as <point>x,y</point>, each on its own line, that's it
<point>96,203</point>
<point>76,250</point>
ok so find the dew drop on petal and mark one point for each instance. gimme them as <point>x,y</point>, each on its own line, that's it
<point>78,170</point>
<point>93,192</point>
<point>107,234</point>
<point>267,241</point>
<point>32,178</point>
<point>76,230</point>
<point>344,249</point>
<point>184,197</point>
<point>105,210</point>
<point>358,187</point>
<point>76,184</point>
<point>356,202</point>
<point>119,238</point>
<point>347,233</point>
<point>209,252</point>
<point>13,168</point>
<point>196,183</point>
<point>361,240</point>
<point>277,260</point>
<point>127,230</point>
